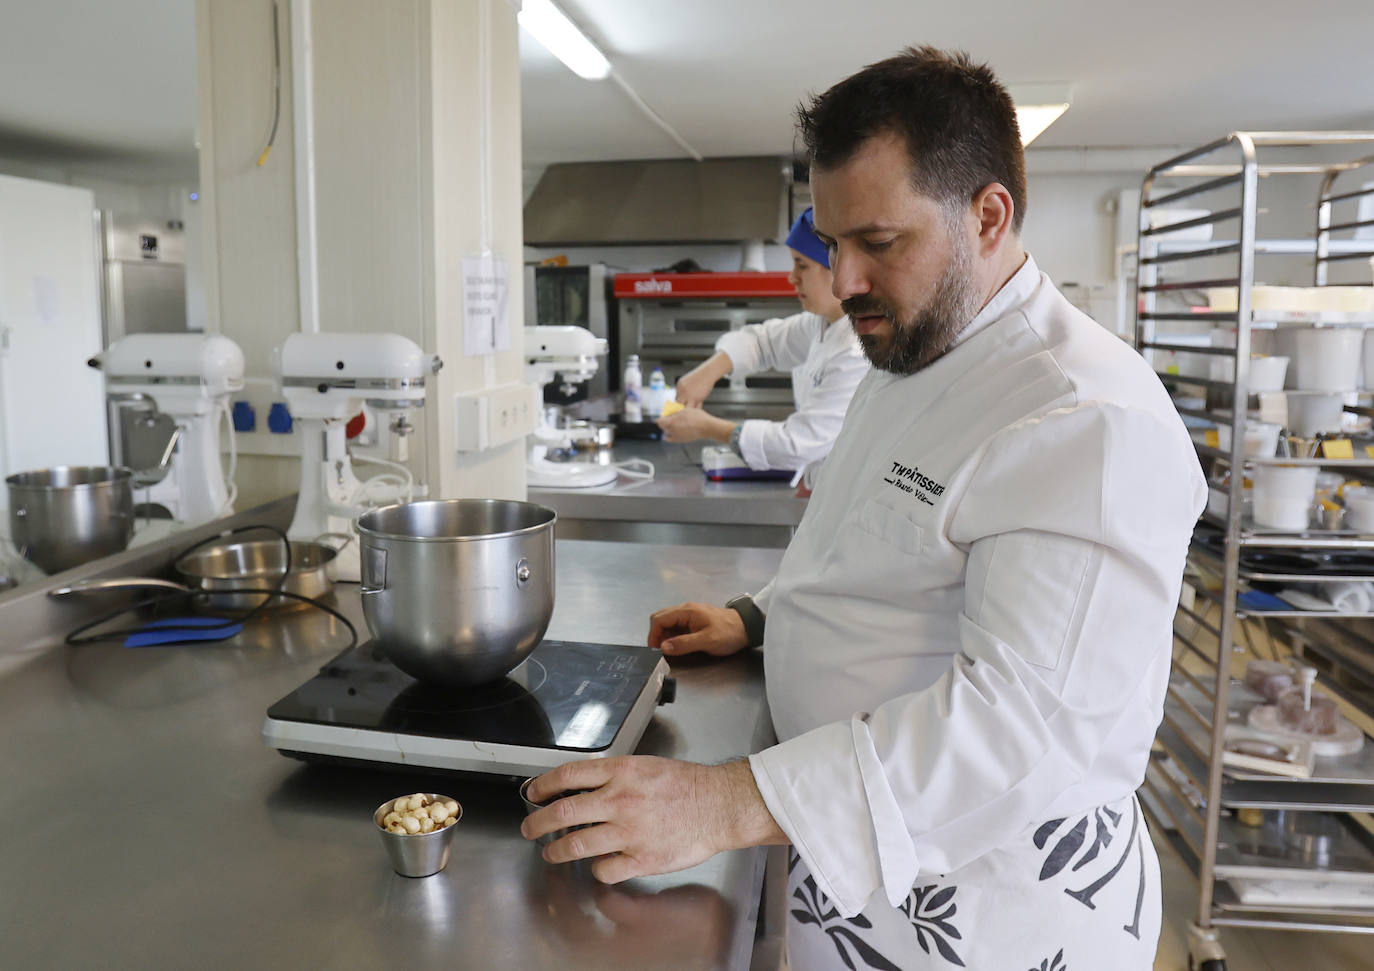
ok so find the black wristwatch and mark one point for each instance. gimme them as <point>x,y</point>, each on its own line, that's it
<point>751,615</point>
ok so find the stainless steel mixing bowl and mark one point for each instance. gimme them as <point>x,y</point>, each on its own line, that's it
<point>72,514</point>
<point>457,592</point>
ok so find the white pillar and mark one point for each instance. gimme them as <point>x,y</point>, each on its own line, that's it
<point>416,134</point>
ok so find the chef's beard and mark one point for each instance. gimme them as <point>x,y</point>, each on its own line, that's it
<point>929,334</point>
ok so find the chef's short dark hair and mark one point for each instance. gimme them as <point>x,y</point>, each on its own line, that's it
<point>958,122</point>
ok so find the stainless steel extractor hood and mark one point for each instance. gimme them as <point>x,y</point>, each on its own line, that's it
<point>660,201</point>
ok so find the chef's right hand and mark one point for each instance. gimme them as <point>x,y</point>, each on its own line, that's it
<point>696,627</point>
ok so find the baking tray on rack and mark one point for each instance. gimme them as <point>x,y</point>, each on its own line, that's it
<point>1349,770</point>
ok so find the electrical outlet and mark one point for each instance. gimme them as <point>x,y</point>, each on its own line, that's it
<point>493,416</point>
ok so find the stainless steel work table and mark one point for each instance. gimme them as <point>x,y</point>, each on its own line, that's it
<point>147,825</point>
<point>679,505</point>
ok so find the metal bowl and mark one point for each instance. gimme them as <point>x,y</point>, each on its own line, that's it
<point>457,592</point>
<point>223,570</point>
<point>72,514</point>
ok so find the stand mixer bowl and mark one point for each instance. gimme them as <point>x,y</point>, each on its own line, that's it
<point>457,592</point>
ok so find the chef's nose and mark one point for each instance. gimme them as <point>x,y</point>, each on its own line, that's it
<point>794,276</point>
<point>849,277</point>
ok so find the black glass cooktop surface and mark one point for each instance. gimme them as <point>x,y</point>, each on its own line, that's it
<point>566,695</point>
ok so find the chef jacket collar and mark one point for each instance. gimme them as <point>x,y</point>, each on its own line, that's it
<point>1013,294</point>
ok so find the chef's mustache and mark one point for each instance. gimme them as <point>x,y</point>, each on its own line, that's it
<point>866,306</point>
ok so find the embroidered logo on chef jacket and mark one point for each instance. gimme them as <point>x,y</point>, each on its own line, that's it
<point>910,479</point>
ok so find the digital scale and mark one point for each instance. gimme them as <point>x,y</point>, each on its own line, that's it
<point>567,701</point>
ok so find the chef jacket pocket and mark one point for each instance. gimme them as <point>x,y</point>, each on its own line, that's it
<point>888,525</point>
<point>875,555</point>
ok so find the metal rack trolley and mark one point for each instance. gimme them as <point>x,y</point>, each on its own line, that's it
<point>1187,794</point>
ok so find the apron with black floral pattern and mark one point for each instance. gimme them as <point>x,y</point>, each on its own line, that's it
<point>1076,894</point>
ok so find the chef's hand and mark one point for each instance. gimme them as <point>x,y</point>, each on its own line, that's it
<point>690,424</point>
<point>693,387</point>
<point>647,815</point>
<point>691,627</point>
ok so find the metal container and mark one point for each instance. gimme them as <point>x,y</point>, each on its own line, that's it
<point>221,576</point>
<point>421,854</point>
<point>590,435</point>
<point>72,514</point>
<point>531,806</point>
<point>457,592</point>
<point>221,570</point>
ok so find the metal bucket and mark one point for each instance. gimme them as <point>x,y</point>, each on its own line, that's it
<point>457,592</point>
<point>72,514</point>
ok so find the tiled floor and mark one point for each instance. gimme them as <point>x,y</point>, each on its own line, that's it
<point>1250,950</point>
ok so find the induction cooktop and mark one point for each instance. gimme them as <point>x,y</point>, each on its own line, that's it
<point>568,700</point>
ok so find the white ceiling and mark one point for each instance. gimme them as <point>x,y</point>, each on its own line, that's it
<point>726,74</point>
<point>104,81</point>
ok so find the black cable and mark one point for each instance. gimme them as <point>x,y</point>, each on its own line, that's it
<point>74,638</point>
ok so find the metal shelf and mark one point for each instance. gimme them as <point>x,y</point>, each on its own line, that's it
<point>1201,827</point>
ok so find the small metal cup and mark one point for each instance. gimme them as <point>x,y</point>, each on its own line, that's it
<point>531,806</point>
<point>421,854</point>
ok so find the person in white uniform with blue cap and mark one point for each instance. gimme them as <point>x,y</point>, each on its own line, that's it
<point>819,347</point>
<point>968,640</point>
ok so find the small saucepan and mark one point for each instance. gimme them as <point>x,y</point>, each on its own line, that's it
<point>223,574</point>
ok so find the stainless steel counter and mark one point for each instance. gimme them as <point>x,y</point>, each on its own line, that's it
<point>679,505</point>
<point>147,825</point>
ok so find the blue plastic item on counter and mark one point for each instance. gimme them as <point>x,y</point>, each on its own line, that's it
<point>180,630</point>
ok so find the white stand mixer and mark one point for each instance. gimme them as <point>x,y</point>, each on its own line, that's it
<point>188,377</point>
<point>569,355</point>
<point>326,379</point>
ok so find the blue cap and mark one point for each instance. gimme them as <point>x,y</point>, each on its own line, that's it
<point>804,240</point>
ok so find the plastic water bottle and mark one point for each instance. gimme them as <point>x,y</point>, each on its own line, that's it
<point>634,390</point>
<point>656,394</point>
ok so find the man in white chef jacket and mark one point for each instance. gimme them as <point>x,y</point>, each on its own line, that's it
<point>818,345</point>
<point>968,639</point>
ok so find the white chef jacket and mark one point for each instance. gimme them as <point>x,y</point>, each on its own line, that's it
<point>827,364</point>
<point>969,635</point>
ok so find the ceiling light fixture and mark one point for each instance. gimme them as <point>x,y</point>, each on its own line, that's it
<point>552,28</point>
<point>1038,106</point>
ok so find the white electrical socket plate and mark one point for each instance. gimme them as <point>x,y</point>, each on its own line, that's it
<point>493,416</point>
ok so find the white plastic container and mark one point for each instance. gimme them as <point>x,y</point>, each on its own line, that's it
<point>1267,373</point>
<point>1359,508</point>
<point>1284,495</point>
<point>1261,439</point>
<point>634,390</point>
<point>1328,358</point>
<point>1310,414</point>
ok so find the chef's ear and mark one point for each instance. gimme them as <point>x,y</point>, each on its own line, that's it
<point>992,215</point>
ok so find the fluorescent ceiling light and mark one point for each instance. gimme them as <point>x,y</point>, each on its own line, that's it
<point>1038,106</point>
<point>552,28</point>
<point>1033,119</point>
